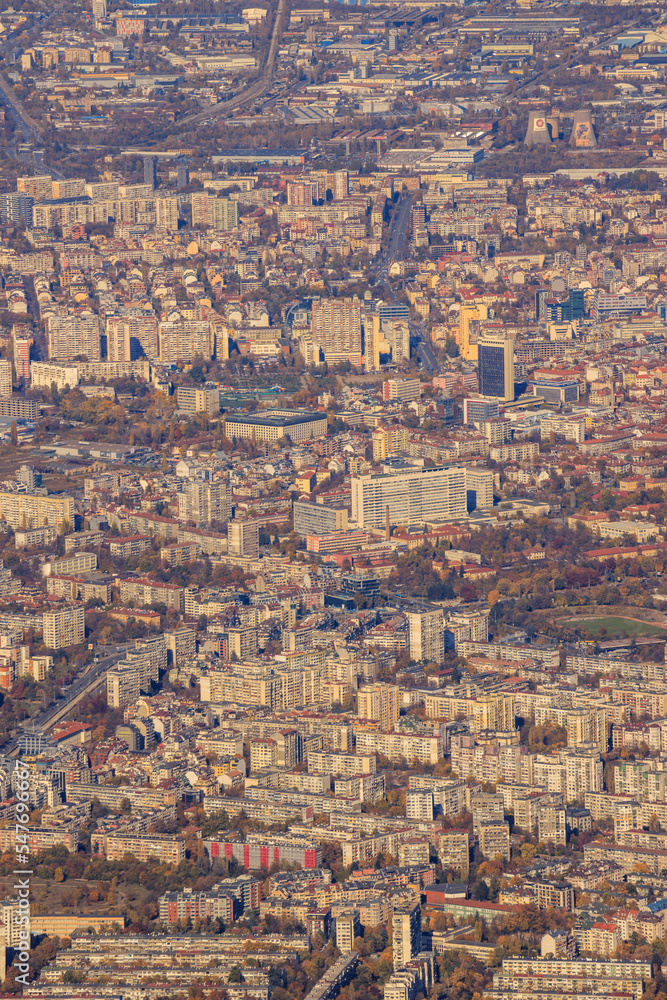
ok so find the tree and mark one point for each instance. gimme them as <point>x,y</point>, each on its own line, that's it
<point>14,435</point>
<point>59,875</point>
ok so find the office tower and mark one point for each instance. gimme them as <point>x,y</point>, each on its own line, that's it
<point>243,539</point>
<point>496,367</point>
<point>476,410</point>
<point>150,162</point>
<point>380,703</point>
<point>336,326</point>
<point>16,208</point>
<point>100,11</point>
<point>23,341</point>
<point>470,318</point>
<point>65,627</point>
<point>411,497</point>
<point>341,188</point>
<point>70,337</point>
<point>406,932</point>
<point>426,635</point>
<point>183,174</point>
<point>541,296</point>
<point>5,378</point>
<point>203,503</point>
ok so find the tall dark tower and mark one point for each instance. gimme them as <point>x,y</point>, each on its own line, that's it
<point>150,171</point>
<point>183,178</point>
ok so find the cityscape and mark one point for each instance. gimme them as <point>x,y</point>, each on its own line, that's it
<point>333,500</point>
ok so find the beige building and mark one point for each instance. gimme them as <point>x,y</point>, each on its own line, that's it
<point>64,627</point>
<point>426,635</point>
<point>379,702</point>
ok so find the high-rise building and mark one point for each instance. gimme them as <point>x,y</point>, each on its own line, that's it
<point>243,539</point>
<point>454,851</point>
<point>396,334</point>
<point>38,188</point>
<point>381,703</point>
<point>70,337</point>
<point>496,367</point>
<point>336,326</point>
<point>406,933</point>
<point>218,213</point>
<point>185,340</point>
<point>426,635</point>
<point>470,318</point>
<point>64,627</point>
<point>132,336</point>
<point>341,188</point>
<point>166,213</point>
<point>5,378</point>
<point>36,510</point>
<point>203,503</point>
<point>183,173</point>
<point>123,685</point>
<point>150,162</point>
<point>494,839</point>
<point>409,497</point>
<point>347,927</point>
<point>389,440</point>
<point>23,341</point>
<point>419,804</point>
<point>372,340</point>
<point>302,193</point>
<point>16,208</point>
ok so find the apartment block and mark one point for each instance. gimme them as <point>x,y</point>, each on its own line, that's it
<point>64,627</point>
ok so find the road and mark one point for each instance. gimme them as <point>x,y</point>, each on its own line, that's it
<point>84,684</point>
<point>27,124</point>
<point>394,251</point>
<point>254,90</point>
<point>399,228</point>
<point>23,121</point>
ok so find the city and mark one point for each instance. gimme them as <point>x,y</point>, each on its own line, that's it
<point>333,500</point>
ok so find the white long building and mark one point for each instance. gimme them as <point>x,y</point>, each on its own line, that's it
<point>421,495</point>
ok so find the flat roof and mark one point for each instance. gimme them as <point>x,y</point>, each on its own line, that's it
<point>269,418</point>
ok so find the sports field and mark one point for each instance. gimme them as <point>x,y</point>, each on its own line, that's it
<point>615,625</point>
